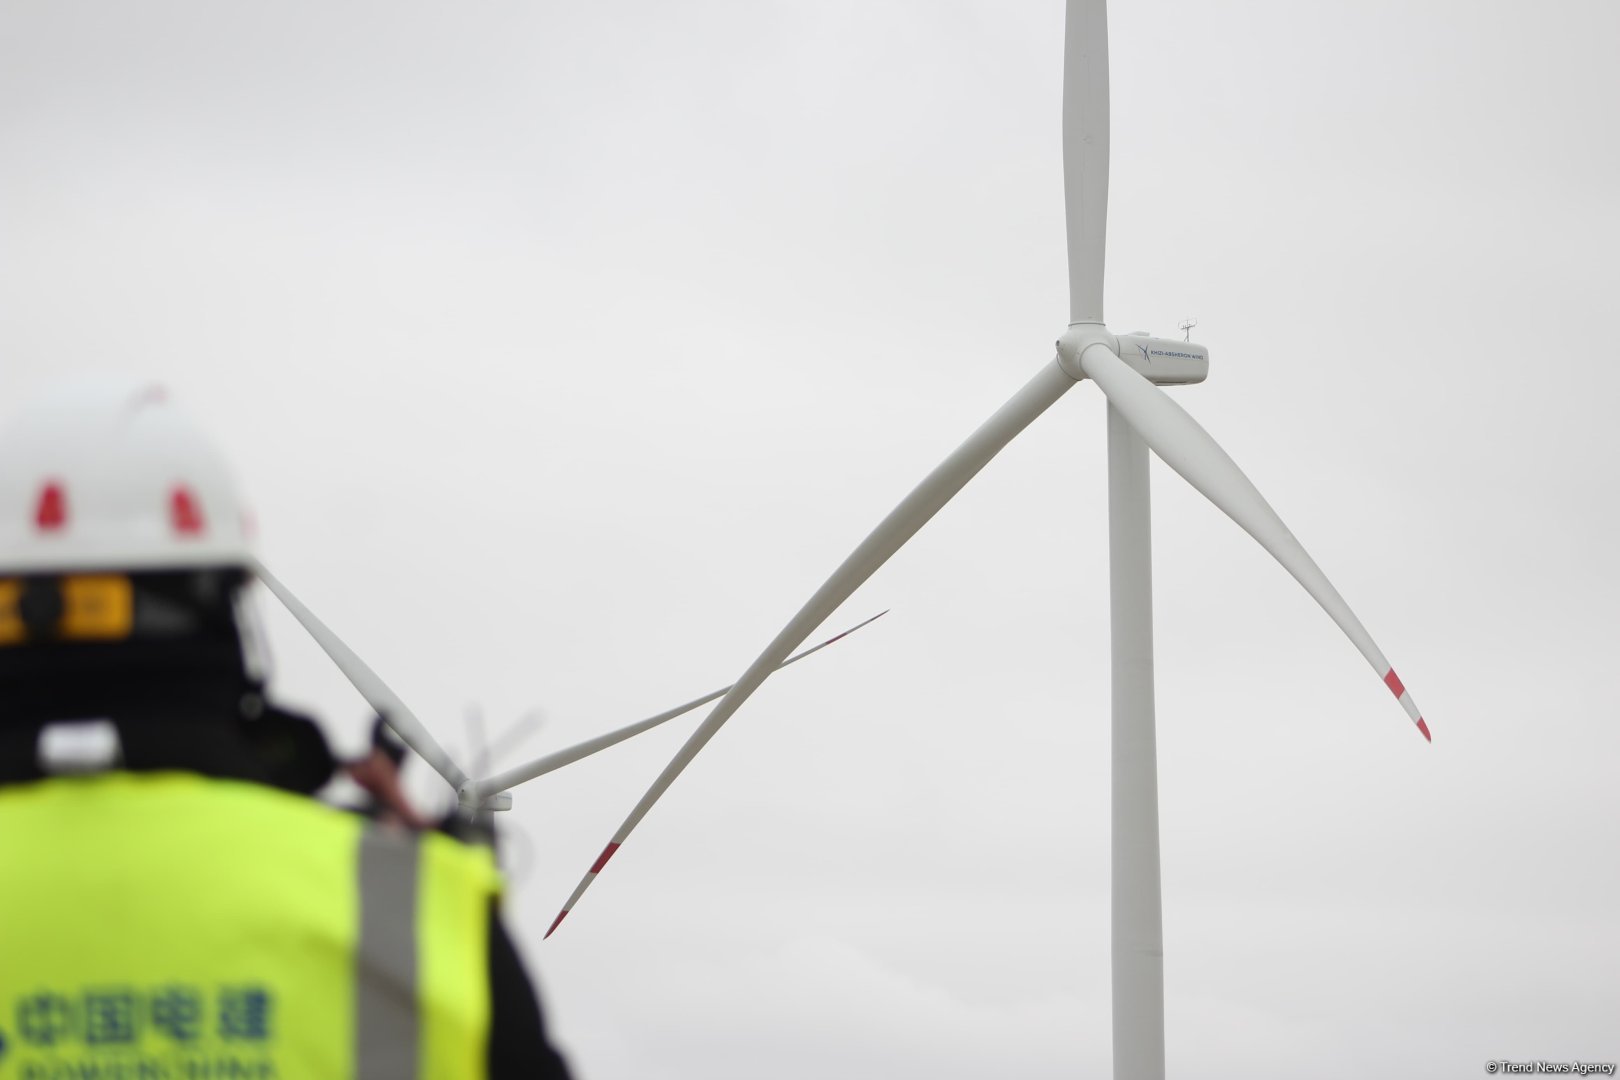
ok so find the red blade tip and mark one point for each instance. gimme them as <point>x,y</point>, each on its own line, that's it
<point>555,923</point>
<point>1425,729</point>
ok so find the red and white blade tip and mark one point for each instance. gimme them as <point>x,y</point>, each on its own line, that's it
<point>851,630</point>
<point>607,852</point>
<point>596,868</point>
<point>1396,687</point>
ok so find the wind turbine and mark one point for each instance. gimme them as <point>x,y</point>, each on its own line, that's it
<point>1128,369</point>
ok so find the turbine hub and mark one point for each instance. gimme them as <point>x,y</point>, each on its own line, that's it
<point>1077,339</point>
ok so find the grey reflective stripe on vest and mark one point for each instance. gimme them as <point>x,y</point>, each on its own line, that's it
<point>386,1025</point>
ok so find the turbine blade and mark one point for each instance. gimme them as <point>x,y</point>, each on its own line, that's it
<point>1085,153</point>
<point>477,740</point>
<point>521,729</point>
<point>521,774</point>
<point>1187,448</point>
<point>376,692</point>
<point>924,501</point>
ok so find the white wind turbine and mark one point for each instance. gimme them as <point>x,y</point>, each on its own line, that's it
<point>1128,370</point>
<point>1140,417</point>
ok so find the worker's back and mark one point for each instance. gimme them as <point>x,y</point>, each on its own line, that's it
<point>171,925</point>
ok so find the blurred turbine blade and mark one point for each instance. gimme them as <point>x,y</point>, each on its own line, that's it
<point>521,774</point>
<point>1085,154</point>
<point>376,692</point>
<point>925,500</point>
<point>1187,448</point>
<point>514,736</point>
<point>477,741</point>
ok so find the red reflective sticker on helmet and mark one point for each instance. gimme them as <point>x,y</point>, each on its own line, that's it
<point>184,512</point>
<point>51,514</point>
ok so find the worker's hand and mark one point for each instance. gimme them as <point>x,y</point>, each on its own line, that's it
<point>379,775</point>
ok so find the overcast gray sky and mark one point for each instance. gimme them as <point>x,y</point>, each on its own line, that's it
<point>563,349</point>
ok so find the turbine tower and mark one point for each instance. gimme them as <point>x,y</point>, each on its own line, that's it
<point>1128,369</point>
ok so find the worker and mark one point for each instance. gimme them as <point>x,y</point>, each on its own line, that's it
<point>175,905</point>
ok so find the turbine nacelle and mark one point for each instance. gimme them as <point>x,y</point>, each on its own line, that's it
<point>1161,361</point>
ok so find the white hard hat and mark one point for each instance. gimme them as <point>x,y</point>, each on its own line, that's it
<point>107,474</point>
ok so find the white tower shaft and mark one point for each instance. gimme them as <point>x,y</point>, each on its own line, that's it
<point>1138,937</point>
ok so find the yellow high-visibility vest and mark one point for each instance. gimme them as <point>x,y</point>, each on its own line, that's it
<point>168,926</point>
